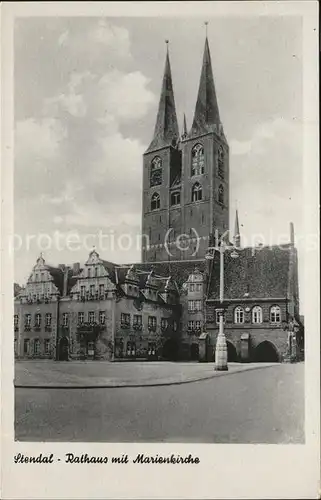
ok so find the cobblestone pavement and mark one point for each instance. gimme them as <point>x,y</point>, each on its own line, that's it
<point>117,374</point>
<point>258,406</point>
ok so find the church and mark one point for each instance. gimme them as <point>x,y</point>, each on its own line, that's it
<point>167,306</point>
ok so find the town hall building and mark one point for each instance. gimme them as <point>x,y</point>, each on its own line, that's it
<point>166,307</point>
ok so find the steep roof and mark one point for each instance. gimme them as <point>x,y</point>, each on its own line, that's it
<point>206,116</point>
<point>178,270</point>
<point>166,127</point>
<point>58,277</point>
<point>262,273</point>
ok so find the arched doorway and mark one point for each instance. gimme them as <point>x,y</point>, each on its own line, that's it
<point>63,353</point>
<point>170,350</point>
<point>266,352</point>
<point>231,353</point>
<point>194,352</point>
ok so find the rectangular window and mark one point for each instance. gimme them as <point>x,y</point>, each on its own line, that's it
<point>37,319</point>
<point>91,317</point>
<point>89,272</point>
<point>92,290</point>
<point>48,319</point>
<point>65,319</point>
<point>138,320</point>
<point>198,305</point>
<point>47,346</point>
<point>80,318</point>
<point>164,323</point>
<point>82,291</point>
<point>27,319</point>
<point>192,287</point>
<point>26,346</point>
<point>102,317</point>
<point>191,305</point>
<point>125,319</point>
<point>16,320</point>
<point>96,271</point>
<point>190,326</point>
<point>197,325</point>
<point>36,346</point>
<point>198,287</point>
<point>152,322</point>
<point>101,289</point>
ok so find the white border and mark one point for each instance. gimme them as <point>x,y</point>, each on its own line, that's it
<point>226,471</point>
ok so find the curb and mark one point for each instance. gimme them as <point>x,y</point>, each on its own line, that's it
<point>148,384</point>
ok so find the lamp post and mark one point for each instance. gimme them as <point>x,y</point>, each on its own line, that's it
<point>221,345</point>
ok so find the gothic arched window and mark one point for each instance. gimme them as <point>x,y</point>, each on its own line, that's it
<point>175,198</point>
<point>275,314</point>
<point>156,172</point>
<point>220,162</point>
<point>221,194</point>
<point>196,192</point>
<point>257,314</point>
<point>197,160</point>
<point>239,315</point>
<point>155,203</point>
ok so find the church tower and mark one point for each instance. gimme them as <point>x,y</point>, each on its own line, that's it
<point>205,169</point>
<point>185,179</point>
<point>161,169</point>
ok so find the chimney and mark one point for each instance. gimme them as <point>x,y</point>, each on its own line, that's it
<point>76,268</point>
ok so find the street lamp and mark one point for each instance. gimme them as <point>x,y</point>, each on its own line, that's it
<point>221,346</point>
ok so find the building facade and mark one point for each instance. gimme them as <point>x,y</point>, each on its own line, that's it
<point>100,311</point>
<point>166,307</point>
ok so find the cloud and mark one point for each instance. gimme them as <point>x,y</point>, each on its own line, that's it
<point>89,172</point>
<point>99,40</point>
<point>266,177</point>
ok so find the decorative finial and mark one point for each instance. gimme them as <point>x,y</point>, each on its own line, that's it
<point>167,42</point>
<point>206,24</point>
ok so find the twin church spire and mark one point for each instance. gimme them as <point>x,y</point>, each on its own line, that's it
<point>206,116</point>
<point>166,128</point>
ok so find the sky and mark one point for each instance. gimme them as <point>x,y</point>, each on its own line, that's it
<point>86,96</point>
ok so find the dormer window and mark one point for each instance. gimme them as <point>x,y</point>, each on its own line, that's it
<point>220,162</point>
<point>197,192</point>
<point>197,160</point>
<point>155,203</point>
<point>175,198</point>
<point>156,172</point>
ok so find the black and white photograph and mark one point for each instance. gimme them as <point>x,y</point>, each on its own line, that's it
<point>164,241</point>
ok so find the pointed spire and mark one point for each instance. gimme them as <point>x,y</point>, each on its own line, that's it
<point>206,116</point>
<point>166,127</point>
<point>184,133</point>
<point>237,236</point>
